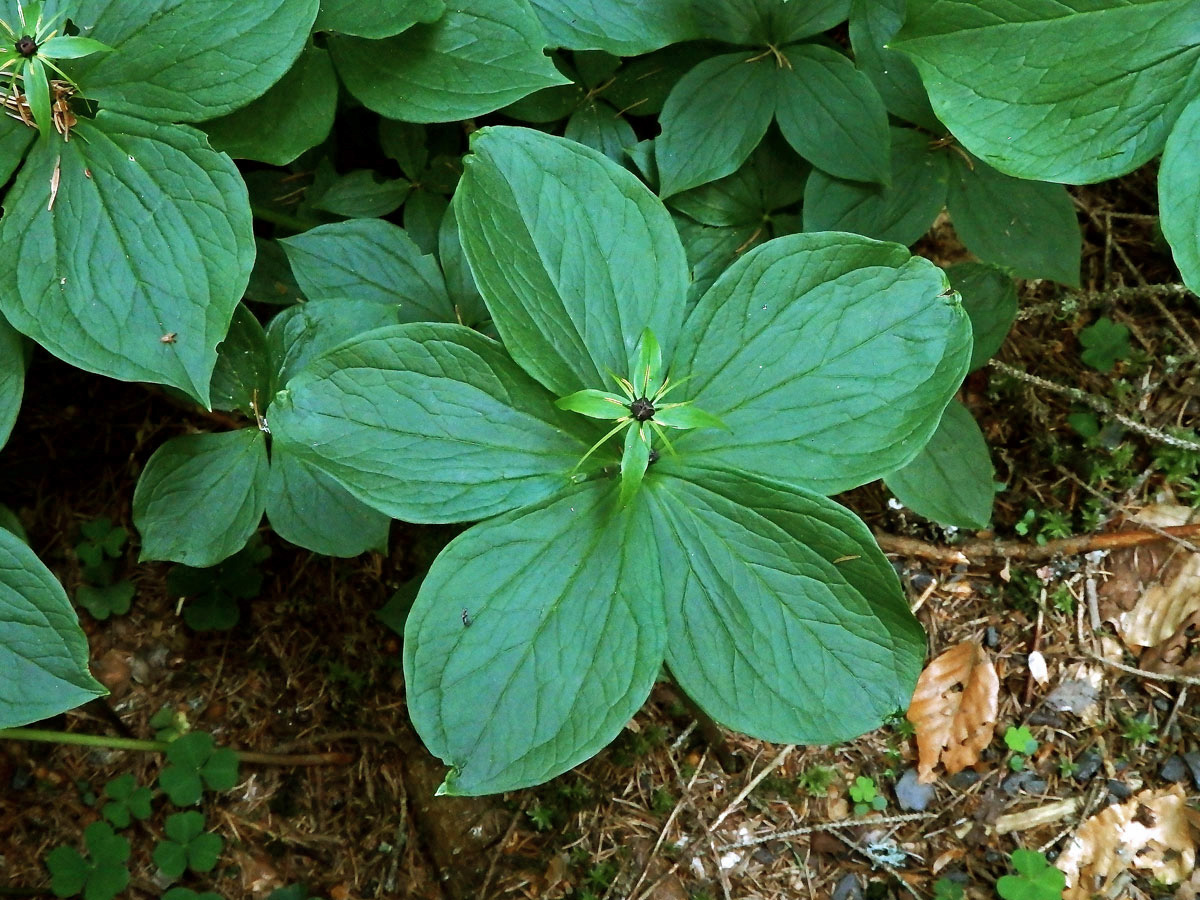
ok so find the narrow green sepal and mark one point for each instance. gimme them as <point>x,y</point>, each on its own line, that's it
<point>685,416</point>
<point>595,404</point>
<point>634,462</point>
<point>37,95</point>
<point>648,372</point>
<point>71,47</point>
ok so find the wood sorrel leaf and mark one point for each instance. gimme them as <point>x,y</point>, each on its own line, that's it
<point>784,619</point>
<point>234,52</point>
<point>201,496</point>
<point>565,641</point>
<point>735,89</point>
<point>310,509</point>
<point>847,352</point>
<point>479,56</point>
<point>369,259</point>
<point>43,653</point>
<point>596,404</point>
<point>950,480</point>
<point>430,423</point>
<point>1073,92</point>
<point>853,143</point>
<point>571,285</point>
<point>1177,194</point>
<point>171,220</point>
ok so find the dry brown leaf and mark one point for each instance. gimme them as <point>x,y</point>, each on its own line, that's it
<point>953,709</point>
<point>1148,831</point>
<point>1153,589</point>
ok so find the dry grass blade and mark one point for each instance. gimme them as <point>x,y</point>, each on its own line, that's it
<point>954,708</point>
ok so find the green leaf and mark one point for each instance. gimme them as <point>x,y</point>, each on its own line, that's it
<point>565,642</point>
<point>710,251</point>
<point>769,22</point>
<point>15,138</point>
<point>564,243</point>
<point>686,417</point>
<point>635,457</point>
<point>37,95</point>
<point>171,858</point>
<point>825,386</point>
<point>201,496</point>
<point>361,195</point>
<point>734,89</point>
<point>271,280</point>
<point>1104,342</point>
<point>242,378</point>
<point>366,18</point>
<point>596,404</point>
<point>369,260</point>
<point>295,115</point>
<point>784,619</point>
<point>12,377</point>
<point>597,125</point>
<point>469,308</point>
<point>951,480</point>
<point>43,653</point>
<point>622,28</point>
<point>171,221</point>
<point>1178,196</point>
<point>102,602</point>
<point>989,296</point>
<point>902,211</point>
<point>1037,879</point>
<point>310,509</point>
<point>831,113</point>
<point>873,24</point>
<point>480,56</point>
<point>303,332</point>
<point>773,177</point>
<point>1074,93</point>
<point>68,871</point>
<point>67,47</point>
<point>1027,226</point>
<point>407,144</point>
<point>188,61</point>
<point>493,441</point>
<point>204,851</point>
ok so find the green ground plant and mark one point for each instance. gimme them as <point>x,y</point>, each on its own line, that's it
<point>637,349</point>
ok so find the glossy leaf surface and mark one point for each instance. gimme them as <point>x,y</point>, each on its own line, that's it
<point>1179,194</point>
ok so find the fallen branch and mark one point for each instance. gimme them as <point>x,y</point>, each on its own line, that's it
<point>984,549</point>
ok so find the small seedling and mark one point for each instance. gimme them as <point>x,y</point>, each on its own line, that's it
<point>188,845</point>
<point>542,817</point>
<point>1036,879</point>
<point>103,595</point>
<point>1021,742</point>
<point>127,800</point>
<point>211,595</point>
<point>815,780</point>
<point>169,723</point>
<point>1139,730</point>
<point>866,796</point>
<point>1105,342</point>
<point>101,875</point>
<point>196,764</point>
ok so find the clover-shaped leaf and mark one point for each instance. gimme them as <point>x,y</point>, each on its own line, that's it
<point>1036,878</point>
<point>195,765</point>
<point>815,363</point>
<point>127,800</point>
<point>102,602</point>
<point>1020,740</point>
<point>181,893</point>
<point>1105,342</point>
<point>99,876</point>
<point>188,845</point>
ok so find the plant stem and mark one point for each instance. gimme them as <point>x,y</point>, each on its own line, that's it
<point>119,743</point>
<point>282,219</point>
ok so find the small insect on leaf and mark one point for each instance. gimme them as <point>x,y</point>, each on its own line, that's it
<point>169,337</point>
<point>466,619</point>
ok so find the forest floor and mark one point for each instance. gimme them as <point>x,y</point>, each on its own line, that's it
<point>1096,672</point>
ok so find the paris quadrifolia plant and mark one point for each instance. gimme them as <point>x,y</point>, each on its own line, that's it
<point>701,537</point>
